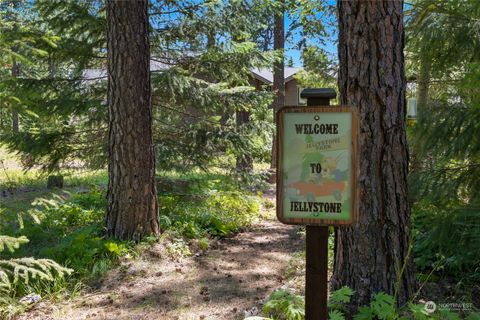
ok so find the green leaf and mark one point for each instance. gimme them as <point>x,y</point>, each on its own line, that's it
<point>383,306</point>
<point>336,315</point>
<point>473,316</point>
<point>364,313</point>
<point>418,311</point>
<point>341,296</point>
<point>449,315</point>
<point>112,247</point>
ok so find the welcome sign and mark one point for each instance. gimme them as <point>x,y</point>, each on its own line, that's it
<point>317,165</point>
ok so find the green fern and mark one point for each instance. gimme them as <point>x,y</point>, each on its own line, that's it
<point>13,271</point>
<point>383,307</point>
<point>364,313</point>
<point>336,315</point>
<point>11,243</point>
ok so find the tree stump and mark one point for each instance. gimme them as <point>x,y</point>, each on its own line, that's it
<point>55,182</point>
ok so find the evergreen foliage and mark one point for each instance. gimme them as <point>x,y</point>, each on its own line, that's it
<point>23,270</point>
<point>11,243</point>
<point>445,175</point>
<point>203,54</point>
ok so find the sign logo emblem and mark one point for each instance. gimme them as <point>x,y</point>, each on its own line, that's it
<point>430,306</point>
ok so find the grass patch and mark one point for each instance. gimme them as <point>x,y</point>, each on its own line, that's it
<point>16,178</point>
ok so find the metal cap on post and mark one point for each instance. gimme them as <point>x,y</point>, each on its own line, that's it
<point>316,273</point>
<point>318,96</point>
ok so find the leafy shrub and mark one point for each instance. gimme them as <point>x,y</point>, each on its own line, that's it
<point>178,248</point>
<point>70,231</point>
<point>284,305</point>
<point>95,198</point>
<point>210,215</point>
<point>383,307</point>
<point>194,183</point>
<point>80,249</point>
<point>438,235</point>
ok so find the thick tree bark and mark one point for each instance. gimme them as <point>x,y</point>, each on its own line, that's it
<point>12,16</point>
<point>371,254</point>
<point>244,163</point>
<point>15,122</point>
<point>132,198</point>
<point>278,87</point>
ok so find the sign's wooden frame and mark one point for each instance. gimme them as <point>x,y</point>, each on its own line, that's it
<point>354,165</point>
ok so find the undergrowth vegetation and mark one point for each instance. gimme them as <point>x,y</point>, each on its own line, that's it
<point>282,304</point>
<point>67,228</point>
<point>447,241</point>
<point>209,215</point>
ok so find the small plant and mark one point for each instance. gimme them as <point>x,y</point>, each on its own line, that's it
<point>178,248</point>
<point>338,300</point>
<point>69,230</point>
<point>284,305</point>
<point>216,215</point>
<point>440,231</point>
<point>203,243</point>
<point>268,204</point>
<point>23,271</point>
<point>383,307</point>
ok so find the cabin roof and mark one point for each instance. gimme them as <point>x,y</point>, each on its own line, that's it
<point>265,75</point>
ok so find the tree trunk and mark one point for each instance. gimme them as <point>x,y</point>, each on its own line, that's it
<point>15,122</point>
<point>132,197</point>
<point>371,254</point>
<point>423,82</point>
<point>12,16</point>
<point>244,163</point>
<point>278,87</point>
<point>423,85</point>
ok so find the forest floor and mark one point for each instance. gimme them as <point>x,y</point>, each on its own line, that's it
<point>230,280</point>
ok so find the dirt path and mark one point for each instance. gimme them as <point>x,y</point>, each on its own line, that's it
<point>232,277</point>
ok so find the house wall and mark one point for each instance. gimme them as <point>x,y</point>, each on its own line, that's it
<point>291,93</point>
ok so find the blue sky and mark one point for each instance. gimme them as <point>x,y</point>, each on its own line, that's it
<point>329,43</point>
<point>330,48</point>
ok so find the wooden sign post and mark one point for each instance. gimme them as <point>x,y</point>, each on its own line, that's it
<point>317,181</point>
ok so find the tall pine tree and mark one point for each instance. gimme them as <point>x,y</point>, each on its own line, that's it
<point>373,254</point>
<point>132,197</point>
